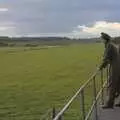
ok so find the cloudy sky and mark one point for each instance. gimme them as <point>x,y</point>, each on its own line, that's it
<point>74,18</point>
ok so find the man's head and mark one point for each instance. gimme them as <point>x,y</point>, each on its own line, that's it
<point>106,38</point>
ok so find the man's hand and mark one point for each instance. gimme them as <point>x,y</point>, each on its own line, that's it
<point>101,67</point>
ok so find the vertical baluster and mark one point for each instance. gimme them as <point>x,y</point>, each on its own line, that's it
<point>107,70</point>
<point>82,104</point>
<point>94,92</point>
<point>53,113</point>
<point>108,74</point>
<point>102,82</point>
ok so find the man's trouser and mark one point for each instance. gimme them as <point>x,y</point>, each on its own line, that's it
<point>113,89</point>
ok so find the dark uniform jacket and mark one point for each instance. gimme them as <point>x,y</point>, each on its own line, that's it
<point>112,57</point>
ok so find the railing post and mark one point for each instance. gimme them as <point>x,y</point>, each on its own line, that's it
<point>82,104</point>
<point>102,82</point>
<point>107,70</point>
<point>94,92</point>
<point>107,74</point>
<point>60,118</point>
<point>53,113</point>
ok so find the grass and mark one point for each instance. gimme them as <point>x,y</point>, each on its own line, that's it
<point>33,81</point>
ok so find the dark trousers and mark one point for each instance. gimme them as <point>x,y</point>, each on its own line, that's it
<point>111,96</point>
<point>113,90</point>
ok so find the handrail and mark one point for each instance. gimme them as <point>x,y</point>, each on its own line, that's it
<point>76,94</point>
<point>97,97</point>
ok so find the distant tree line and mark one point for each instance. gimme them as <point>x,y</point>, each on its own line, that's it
<point>51,41</point>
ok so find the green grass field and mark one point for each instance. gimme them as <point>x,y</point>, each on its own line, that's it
<point>33,81</point>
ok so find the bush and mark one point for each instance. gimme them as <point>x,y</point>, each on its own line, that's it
<point>3,44</point>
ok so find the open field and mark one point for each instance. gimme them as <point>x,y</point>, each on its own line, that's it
<point>33,81</point>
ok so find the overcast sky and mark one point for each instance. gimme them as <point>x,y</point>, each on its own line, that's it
<point>75,18</point>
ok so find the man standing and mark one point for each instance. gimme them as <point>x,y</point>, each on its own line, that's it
<point>111,57</point>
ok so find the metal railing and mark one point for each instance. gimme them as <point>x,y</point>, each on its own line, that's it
<point>81,94</point>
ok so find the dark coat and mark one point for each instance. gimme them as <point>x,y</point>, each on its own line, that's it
<point>112,57</point>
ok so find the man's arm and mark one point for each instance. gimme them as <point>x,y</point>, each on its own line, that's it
<point>108,55</point>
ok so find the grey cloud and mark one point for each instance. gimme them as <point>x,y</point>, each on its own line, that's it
<point>56,16</point>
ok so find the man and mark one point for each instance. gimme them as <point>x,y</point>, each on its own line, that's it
<point>111,57</point>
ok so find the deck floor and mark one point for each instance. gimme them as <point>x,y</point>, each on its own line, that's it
<point>110,114</point>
